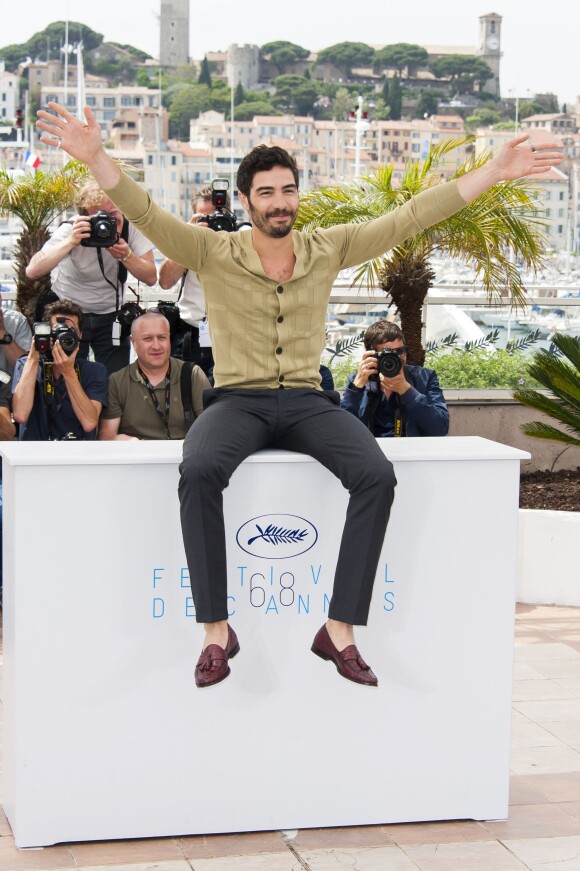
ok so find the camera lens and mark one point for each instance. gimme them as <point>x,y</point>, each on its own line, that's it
<point>389,364</point>
<point>102,229</point>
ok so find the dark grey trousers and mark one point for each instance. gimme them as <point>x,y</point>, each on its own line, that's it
<point>235,424</point>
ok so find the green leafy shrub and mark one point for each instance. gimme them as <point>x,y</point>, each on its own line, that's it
<point>341,367</point>
<point>481,369</point>
<point>558,372</point>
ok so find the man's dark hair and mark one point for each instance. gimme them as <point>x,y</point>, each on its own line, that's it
<point>260,159</point>
<point>382,331</point>
<point>64,308</point>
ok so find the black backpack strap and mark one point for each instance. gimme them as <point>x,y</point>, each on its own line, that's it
<point>122,274</point>
<point>183,277</point>
<point>186,391</point>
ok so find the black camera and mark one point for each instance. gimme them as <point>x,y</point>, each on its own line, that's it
<point>67,336</point>
<point>128,313</point>
<point>170,311</point>
<point>103,231</point>
<point>222,218</point>
<point>390,364</point>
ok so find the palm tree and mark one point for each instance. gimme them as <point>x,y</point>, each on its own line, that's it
<point>500,226</point>
<point>561,377</point>
<point>37,199</point>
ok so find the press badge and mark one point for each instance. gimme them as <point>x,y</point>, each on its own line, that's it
<point>204,336</point>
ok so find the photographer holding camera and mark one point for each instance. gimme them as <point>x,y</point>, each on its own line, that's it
<point>90,260</point>
<point>392,398</point>
<point>57,396</point>
<point>191,339</point>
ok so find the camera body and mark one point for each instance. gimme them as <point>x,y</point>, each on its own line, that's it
<point>390,364</point>
<point>222,218</point>
<point>103,231</point>
<point>128,313</point>
<point>66,335</point>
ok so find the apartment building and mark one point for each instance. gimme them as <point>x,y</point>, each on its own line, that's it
<point>8,95</point>
<point>106,103</point>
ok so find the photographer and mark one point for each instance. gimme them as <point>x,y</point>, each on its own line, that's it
<point>410,403</point>
<point>55,395</point>
<point>146,398</point>
<point>15,337</point>
<point>93,276</point>
<point>191,339</point>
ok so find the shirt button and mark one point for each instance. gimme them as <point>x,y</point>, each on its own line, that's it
<point>278,350</point>
<point>280,289</point>
<point>279,319</point>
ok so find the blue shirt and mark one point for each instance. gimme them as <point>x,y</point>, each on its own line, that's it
<point>423,408</point>
<point>58,419</point>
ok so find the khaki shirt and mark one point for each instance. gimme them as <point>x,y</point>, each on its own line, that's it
<point>130,400</point>
<point>266,334</point>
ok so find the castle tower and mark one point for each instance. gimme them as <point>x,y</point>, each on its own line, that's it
<point>174,33</point>
<point>243,65</point>
<point>489,48</point>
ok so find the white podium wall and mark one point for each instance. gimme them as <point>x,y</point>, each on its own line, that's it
<point>106,735</point>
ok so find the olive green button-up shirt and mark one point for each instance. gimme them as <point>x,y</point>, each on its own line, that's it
<point>266,334</point>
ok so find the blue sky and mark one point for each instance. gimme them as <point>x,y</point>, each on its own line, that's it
<point>539,50</point>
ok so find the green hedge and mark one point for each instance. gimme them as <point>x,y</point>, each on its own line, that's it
<point>460,369</point>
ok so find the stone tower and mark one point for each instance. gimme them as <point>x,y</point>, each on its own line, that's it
<point>174,33</point>
<point>243,65</point>
<point>489,49</point>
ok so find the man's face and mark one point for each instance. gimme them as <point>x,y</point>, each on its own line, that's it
<point>273,202</point>
<point>152,342</point>
<point>108,205</point>
<point>204,207</point>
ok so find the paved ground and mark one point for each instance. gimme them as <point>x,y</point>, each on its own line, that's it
<point>542,833</point>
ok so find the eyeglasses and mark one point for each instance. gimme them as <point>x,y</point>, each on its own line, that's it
<point>399,351</point>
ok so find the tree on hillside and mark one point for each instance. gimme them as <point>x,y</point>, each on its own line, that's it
<point>283,54</point>
<point>186,102</point>
<point>428,102</point>
<point>342,104</point>
<point>239,95</point>
<point>463,70</point>
<point>48,43</point>
<point>295,94</point>
<point>346,55</point>
<point>246,111</point>
<point>395,98</point>
<point>37,199</point>
<point>204,73</point>
<point>400,56</point>
<point>499,227</point>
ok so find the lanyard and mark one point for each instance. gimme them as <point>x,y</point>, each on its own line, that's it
<point>153,395</point>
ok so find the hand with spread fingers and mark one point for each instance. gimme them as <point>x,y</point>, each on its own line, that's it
<point>81,139</point>
<point>519,157</point>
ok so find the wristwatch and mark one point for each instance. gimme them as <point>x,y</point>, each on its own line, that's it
<point>6,339</point>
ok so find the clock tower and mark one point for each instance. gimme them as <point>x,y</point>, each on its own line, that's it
<point>489,48</point>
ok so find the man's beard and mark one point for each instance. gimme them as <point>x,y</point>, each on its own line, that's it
<point>261,222</point>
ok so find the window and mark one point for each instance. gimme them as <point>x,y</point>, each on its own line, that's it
<point>548,213</point>
<point>560,229</point>
<point>109,101</point>
<point>560,213</point>
<point>91,101</point>
<point>561,197</point>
